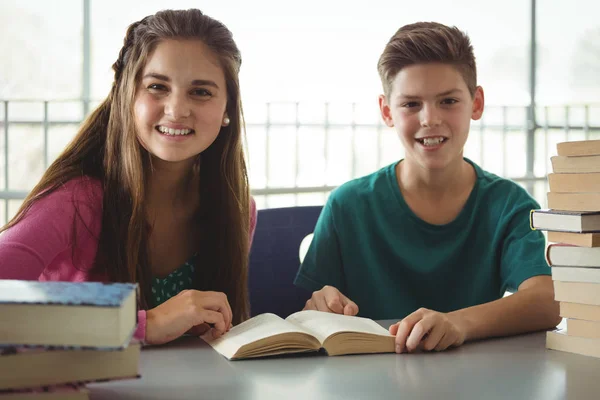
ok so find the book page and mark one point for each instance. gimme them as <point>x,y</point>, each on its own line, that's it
<point>322,324</point>
<point>259,327</point>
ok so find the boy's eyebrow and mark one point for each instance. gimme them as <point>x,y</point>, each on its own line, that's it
<point>198,82</point>
<point>446,93</point>
<point>449,92</point>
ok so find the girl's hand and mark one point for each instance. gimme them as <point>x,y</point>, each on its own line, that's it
<point>189,310</point>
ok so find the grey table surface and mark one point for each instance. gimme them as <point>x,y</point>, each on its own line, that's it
<point>518,367</point>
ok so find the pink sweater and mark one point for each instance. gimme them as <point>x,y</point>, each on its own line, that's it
<point>39,247</point>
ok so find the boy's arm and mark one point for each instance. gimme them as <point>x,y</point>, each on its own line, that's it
<point>322,272</point>
<point>523,268</point>
<point>531,308</point>
<point>322,264</point>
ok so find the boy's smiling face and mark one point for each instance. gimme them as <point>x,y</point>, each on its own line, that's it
<point>430,107</point>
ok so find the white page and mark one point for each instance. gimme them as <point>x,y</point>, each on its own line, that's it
<point>323,324</point>
<point>249,331</point>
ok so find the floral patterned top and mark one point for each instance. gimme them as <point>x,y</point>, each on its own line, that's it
<point>180,279</point>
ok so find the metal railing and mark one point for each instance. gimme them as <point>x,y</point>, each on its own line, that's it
<point>319,131</point>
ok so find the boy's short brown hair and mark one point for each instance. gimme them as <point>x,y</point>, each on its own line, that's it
<point>427,42</point>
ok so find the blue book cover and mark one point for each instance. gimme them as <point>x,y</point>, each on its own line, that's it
<point>65,293</point>
<point>61,315</point>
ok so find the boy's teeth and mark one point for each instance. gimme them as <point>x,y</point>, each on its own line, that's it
<point>432,141</point>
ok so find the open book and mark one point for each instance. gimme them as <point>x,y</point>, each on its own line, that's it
<point>268,335</point>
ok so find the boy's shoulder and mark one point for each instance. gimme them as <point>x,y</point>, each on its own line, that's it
<point>497,187</point>
<point>364,188</point>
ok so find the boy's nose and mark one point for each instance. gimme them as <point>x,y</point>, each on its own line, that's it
<point>430,117</point>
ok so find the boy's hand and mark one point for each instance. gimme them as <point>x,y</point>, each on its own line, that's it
<point>329,299</point>
<point>428,330</point>
<point>189,311</point>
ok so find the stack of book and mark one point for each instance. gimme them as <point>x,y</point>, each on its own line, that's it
<point>57,336</point>
<point>573,225</point>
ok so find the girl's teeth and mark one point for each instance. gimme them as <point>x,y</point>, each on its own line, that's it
<point>172,132</point>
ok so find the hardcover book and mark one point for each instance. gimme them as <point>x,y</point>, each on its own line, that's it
<point>73,314</point>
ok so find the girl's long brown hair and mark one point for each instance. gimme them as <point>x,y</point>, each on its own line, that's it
<point>106,148</point>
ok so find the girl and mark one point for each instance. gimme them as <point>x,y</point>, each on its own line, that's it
<point>153,189</point>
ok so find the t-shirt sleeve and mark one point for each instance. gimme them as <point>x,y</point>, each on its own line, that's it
<point>46,230</point>
<point>523,250</point>
<point>322,264</point>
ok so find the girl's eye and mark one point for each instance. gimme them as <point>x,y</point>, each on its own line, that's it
<point>201,92</point>
<point>449,101</point>
<point>410,104</point>
<point>156,87</point>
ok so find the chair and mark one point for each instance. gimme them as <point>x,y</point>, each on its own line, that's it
<point>274,259</point>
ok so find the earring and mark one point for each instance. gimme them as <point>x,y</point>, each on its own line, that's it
<point>226,121</point>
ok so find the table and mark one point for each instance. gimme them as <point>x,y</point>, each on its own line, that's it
<point>516,367</point>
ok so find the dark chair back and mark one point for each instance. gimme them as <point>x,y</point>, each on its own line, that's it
<point>274,259</point>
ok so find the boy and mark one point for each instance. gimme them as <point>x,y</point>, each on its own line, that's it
<point>433,239</point>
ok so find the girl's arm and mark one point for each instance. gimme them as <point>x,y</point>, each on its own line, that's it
<point>46,234</point>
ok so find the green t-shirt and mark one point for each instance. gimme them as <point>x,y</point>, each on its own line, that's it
<point>376,251</point>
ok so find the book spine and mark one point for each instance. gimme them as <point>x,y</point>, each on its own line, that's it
<point>574,201</point>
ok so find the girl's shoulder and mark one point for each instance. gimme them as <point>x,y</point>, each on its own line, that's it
<point>82,196</point>
<point>82,190</point>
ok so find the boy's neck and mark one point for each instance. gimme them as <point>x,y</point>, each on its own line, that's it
<point>435,184</point>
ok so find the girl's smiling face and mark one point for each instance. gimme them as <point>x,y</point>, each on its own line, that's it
<point>180,102</point>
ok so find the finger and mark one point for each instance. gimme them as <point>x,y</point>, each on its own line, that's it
<point>310,305</point>
<point>216,319</point>
<point>320,303</point>
<point>199,330</point>
<point>443,343</point>
<point>405,326</point>
<point>420,329</point>
<point>216,302</point>
<point>230,323</point>
<point>350,307</point>
<point>394,328</point>
<point>433,339</point>
<point>228,311</point>
<point>450,339</point>
<point>334,303</point>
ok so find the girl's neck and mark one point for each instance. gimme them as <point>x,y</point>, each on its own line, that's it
<point>172,184</point>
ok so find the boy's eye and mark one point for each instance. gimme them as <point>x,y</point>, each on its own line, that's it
<point>410,104</point>
<point>449,101</point>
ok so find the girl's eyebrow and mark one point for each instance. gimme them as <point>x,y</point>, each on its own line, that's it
<point>196,82</point>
